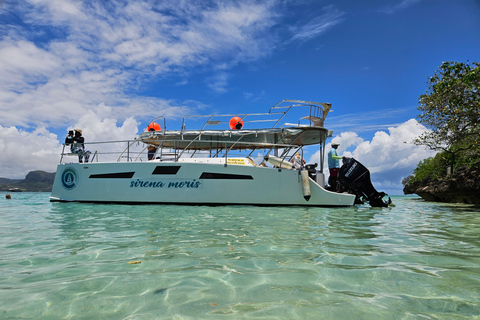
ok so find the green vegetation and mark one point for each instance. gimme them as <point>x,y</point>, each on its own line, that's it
<point>436,167</point>
<point>450,109</point>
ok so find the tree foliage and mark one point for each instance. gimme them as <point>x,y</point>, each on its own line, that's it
<point>451,108</point>
<point>434,167</point>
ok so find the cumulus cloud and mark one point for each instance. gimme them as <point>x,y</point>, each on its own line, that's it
<point>100,126</point>
<point>21,151</point>
<point>393,150</point>
<point>390,156</point>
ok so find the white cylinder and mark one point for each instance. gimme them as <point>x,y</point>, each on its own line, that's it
<point>279,162</point>
<point>306,185</point>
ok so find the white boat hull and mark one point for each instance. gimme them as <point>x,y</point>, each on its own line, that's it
<point>188,183</point>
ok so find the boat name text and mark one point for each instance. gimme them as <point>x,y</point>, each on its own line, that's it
<point>170,184</point>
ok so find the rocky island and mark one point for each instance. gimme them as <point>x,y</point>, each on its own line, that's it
<point>35,181</point>
<point>462,186</point>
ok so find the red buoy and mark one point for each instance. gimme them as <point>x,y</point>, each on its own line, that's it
<point>154,127</point>
<point>236,123</point>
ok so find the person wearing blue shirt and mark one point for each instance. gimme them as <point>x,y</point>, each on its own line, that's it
<point>333,165</point>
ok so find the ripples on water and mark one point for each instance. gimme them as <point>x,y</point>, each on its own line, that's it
<point>416,260</point>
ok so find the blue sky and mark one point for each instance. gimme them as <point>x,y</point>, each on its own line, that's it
<point>111,66</point>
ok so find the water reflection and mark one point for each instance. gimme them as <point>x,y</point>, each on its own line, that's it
<point>341,237</point>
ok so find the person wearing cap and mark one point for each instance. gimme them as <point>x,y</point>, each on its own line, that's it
<point>333,165</point>
<point>77,145</point>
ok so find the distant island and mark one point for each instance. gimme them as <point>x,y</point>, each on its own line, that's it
<point>35,181</point>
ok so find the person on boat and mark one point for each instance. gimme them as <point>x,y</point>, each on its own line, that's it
<point>333,165</point>
<point>151,148</point>
<point>69,139</point>
<point>77,145</point>
<point>151,152</point>
<point>298,161</point>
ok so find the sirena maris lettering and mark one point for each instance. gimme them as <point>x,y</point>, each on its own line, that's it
<point>177,184</point>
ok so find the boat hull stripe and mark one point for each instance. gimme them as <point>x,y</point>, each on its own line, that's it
<point>225,176</point>
<point>116,175</point>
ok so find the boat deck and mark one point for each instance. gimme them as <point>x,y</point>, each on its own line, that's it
<point>235,139</point>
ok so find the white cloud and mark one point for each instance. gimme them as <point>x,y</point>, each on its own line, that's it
<point>319,25</point>
<point>21,151</point>
<point>390,157</point>
<point>393,150</point>
<point>59,10</point>
<point>218,82</point>
<point>23,56</point>
<point>368,121</point>
<point>400,6</point>
<point>100,126</point>
<point>103,51</point>
<point>346,140</point>
<point>68,78</point>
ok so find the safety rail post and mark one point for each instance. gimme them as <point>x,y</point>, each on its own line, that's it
<point>63,152</point>
<point>226,154</point>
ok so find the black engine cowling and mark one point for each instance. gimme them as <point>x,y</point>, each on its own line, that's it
<point>355,177</point>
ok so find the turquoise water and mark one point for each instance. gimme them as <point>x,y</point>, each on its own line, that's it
<point>416,260</point>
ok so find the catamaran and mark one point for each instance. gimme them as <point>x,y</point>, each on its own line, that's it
<point>229,159</point>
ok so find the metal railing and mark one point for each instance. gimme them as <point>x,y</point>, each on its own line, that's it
<point>137,150</point>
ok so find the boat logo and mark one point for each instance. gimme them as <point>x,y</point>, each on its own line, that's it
<point>349,172</point>
<point>69,178</point>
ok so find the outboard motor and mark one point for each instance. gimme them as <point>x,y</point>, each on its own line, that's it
<point>356,178</point>
<point>312,172</point>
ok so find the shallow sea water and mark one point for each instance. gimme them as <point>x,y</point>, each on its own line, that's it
<point>417,260</point>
